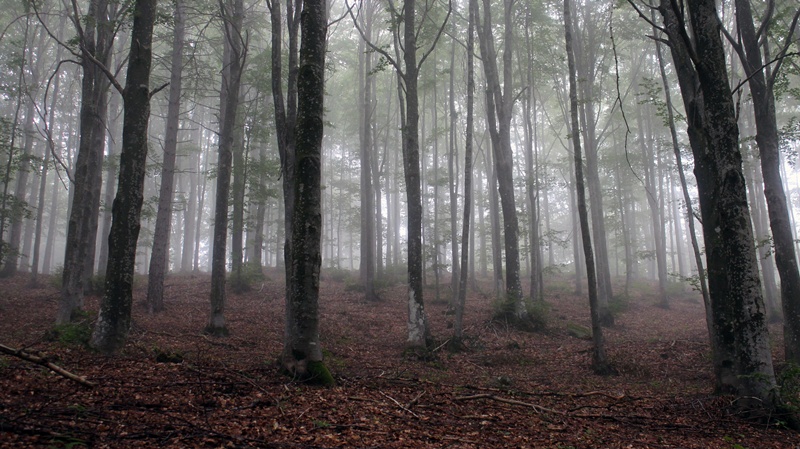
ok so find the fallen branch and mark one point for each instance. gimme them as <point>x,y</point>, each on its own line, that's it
<point>19,353</point>
<point>537,408</point>
<point>399,404</point>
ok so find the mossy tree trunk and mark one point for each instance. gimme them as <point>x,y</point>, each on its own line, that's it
<point>742,358</point>
<point>302,354</point>
<point>114,318</point>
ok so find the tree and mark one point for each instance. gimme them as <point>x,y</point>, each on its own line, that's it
<point>600,363</point>
<point>499,104</point>
<point>159,262</point>
<point>232,13</point>
<point>458,327</point>
<point>114,318</point>
<point>408,74</point>
<point>742,359</point>
<point>302,352</point>
<point>366,154</point>
<point>285,113</point>
<point>95,44</point>
<point>762,90</point>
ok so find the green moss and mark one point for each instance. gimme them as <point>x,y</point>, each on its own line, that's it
<point>75,333</point>
<point>317,373</point>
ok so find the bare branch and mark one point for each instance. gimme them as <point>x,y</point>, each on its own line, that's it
<point>369,43</point>
<point>438,34</point>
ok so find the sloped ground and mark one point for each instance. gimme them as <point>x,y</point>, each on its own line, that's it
<point>174,387</point>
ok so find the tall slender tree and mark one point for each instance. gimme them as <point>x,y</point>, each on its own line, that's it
<point>232,15</point>
<point>159,258</point>
<point>762,83</point>
<point>600,362</point>
<point>95,44</point>
<point>499,104</point>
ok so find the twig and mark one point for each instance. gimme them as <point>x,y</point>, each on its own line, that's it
<point>19,353</point>
<point>399,404</point>
<point>537,408</point>
<point>414,401</point>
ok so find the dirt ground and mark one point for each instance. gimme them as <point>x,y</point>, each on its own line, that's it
<point>174,387</point>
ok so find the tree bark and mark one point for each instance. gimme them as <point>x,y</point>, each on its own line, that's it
<point>600,363</point>
<point>82,226</point>
<point>114,318</point>
<point>742,358</point>
<point>763,95</point>
<point>159,258</point>
<point>232,13</point>
<point>501,101</point>
<point>302,354</point>
<point>458,327</point>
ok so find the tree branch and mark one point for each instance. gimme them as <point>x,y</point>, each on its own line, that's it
<point>19,353</point>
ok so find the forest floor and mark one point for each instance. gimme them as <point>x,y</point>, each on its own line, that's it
<point>174,387</point>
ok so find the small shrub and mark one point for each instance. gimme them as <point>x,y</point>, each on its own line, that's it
<point>76,333</point>
<point>537,314</point>
<point>242,281</point>
<point>56,277</point>
<point>619,304</point>
<point>789,381</point>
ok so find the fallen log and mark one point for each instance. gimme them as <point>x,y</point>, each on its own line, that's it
<point>28,357</point>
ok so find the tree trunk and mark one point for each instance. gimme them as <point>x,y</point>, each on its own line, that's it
<point>285,114</point>
<point>232,13</point>
<point>452,175</point>
<point>763,96</point>
<point>114,317</point>
<point>742,358</point>
<point>501,101</point>
<point>458,327</point>
<point>302,354</point>
<point>239,282</point>
<point>159,258</point>
<point>761,228</point>
<point>587,73</point>
<point>600,363</point>
<point>82,226</point>
<point>418,333</point>
<point>366,153</point>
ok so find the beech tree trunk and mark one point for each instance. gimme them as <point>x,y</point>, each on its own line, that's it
<point>763,95</point>
<point>114,317</point>
<point>302,354</point>
<point>600,363</point>
<point>159,258</point>
<point>501,102</point>
<point>418,332</point>
<point>458,326</point>
<point>87,176</point>
<point>366,153</point>
<point>285,113</point>
<point>232,14</point>
<point>742,358</point>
